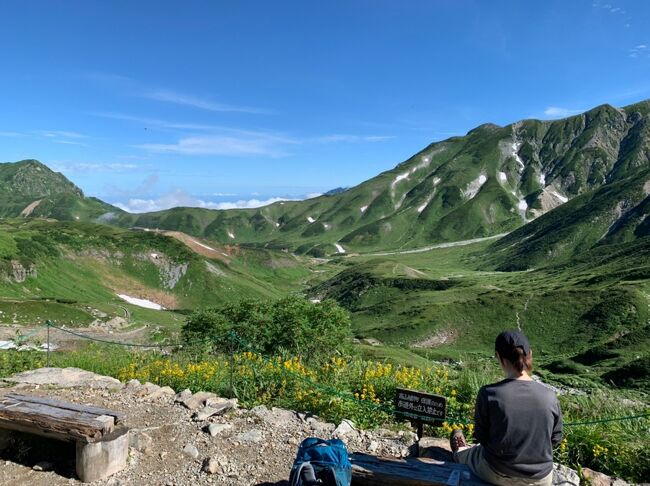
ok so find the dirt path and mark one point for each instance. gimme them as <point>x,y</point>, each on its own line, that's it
<point>435,247</point>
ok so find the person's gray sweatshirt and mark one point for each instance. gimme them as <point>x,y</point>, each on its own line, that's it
<point>518,422</point>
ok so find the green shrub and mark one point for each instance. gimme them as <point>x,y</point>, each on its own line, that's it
<point>292,325</point>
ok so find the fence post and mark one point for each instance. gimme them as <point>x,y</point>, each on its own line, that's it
<point>48,323</point>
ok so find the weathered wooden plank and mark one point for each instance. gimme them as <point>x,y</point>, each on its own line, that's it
<point>67,424</point>
<point>374,471</point>
<point>119,416</point>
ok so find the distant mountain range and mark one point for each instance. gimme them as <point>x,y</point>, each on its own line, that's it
<point>556,186</point>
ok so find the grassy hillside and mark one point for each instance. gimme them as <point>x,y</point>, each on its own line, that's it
<point>71,272</point>
<point>449,304</point>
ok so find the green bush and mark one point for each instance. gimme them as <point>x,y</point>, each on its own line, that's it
<point>292,325</point>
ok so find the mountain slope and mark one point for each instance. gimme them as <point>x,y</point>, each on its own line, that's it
<point>29,188</point>
<point>492,180</point>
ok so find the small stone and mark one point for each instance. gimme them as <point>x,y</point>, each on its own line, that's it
<point>132,385</point>
<point>191,451</point>
<point>140,441</point>
<point>345,428</point>
<point>212,466</point>
<point>183,396</point>
<point>214,409</point>
<point>216,429</point>
<point>43,466</point>
<point>197,400</point>
<point>254,435</point>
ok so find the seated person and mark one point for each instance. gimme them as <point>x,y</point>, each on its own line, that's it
<point>517,422</point>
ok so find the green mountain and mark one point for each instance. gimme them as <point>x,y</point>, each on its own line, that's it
<point>29,188</point>
<point>492,180</point>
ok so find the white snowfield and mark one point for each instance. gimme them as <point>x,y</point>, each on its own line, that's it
<point>474,186</point>
<point>231,234</point>
<point>423,206</point>
<point>542,179</point>
<point>339,248</point>
<point>515,153</point>
<point>503,177</point>
<point>310,219</point>
<point>522,206</point>
<point>363,209</point>
<point>147,304</point>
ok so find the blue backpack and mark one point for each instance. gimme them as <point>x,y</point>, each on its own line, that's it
<point>321,462</point>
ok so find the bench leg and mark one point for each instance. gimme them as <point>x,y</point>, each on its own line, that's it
<point>99,460</point>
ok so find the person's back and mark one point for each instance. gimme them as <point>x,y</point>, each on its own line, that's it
<point>517,421</point>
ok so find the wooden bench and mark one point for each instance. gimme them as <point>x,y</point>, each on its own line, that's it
<point>369,470</point>
<point>102,439</point>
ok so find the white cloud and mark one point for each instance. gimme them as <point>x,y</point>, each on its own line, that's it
<point>180,198</point>
<point>223,145</point>
<point>169,96</point>
<point>62,134</point>
<point>556,111</point>
<point>64,166</point>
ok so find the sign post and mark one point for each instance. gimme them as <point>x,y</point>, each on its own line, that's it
<point>420,407</point>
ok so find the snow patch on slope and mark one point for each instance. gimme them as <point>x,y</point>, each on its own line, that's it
<point>310,219</point>
<point>231,234</point>
<point>542,179</point>
<point>339,248</point>
<point>474,186</point>
<point>405,175</point>
<point>147,304</point>
<point>363,209</point>
<point>515,153</point>
<point>503,177</point>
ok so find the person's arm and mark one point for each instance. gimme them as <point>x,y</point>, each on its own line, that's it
<point>556,437</point>
<point>481,418</point>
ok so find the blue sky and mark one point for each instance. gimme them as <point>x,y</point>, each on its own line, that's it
<point>152,104</point>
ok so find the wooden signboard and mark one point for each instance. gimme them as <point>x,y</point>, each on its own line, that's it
<point>420,407</point>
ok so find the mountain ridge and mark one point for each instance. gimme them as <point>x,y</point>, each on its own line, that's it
<point>495,179</point>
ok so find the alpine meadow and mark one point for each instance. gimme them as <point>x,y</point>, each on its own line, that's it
<point>311,308</point>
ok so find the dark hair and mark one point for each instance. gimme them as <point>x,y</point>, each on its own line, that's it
<point>514,347</point>
<point>520,360</point>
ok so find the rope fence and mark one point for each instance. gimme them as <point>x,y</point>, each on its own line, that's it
<point>237,343</point>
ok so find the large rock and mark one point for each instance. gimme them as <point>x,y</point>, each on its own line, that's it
<point>214,407</point>
<point>600,479</point>
<point>64,378</point>
<point>197,400</point>
<point>564,476</point>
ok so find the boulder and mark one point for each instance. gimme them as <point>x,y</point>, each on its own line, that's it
<point>565,476</point>
<point>64,378</point>
<point>599,479</point>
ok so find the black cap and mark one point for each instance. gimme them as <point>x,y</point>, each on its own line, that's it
<point>508,341</point>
